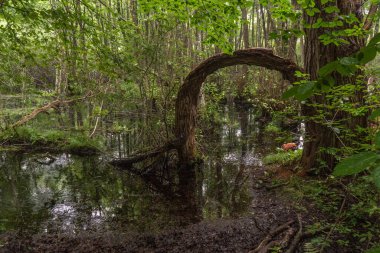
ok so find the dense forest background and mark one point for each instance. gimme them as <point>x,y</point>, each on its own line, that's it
<point>80,75</point>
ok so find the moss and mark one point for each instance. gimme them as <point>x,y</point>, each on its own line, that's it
<point>81,144</point>
<point>31,138</point>
<point>283,157</point>
<point>272,128</point>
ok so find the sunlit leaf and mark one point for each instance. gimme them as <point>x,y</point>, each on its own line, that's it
<point>367,54</point>
<point>328,68</point>
<point>374,40</point>
<point>305,90</point>
<point>290,92</point>
<point>355,164</point>
<point>349,61</point>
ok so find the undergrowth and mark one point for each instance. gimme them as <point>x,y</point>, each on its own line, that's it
<point>75,142</point>
<point>346,215</point>
<point>283,157</point>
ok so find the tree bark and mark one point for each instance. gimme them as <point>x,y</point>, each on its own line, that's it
<point>316,55</point>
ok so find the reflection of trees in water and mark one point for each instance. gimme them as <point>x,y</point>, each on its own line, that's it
<point>227,192</point>
<point>17,195</point>
<point>83,194</point>
<point>76,193</point>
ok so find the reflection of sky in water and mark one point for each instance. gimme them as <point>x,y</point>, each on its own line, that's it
<point>83,193</point>
<point>249,159</point>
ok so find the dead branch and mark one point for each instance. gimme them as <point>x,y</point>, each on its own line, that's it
<point>126,163</point>
<point>370,16</point>
<point>267,243</point>
<point>45,108</point>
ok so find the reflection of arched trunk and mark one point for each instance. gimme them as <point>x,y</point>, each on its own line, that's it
<point>187,103</point>
<point>187,100</point>
<point>239,179</point>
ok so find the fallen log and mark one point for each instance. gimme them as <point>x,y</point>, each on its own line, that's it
<point>45,108</point>
<point>129,161</point>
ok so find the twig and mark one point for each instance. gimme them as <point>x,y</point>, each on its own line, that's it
<point>335,224</point>
<point>370,16</point>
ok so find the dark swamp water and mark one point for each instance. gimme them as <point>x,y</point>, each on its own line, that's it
<point>64,193</point>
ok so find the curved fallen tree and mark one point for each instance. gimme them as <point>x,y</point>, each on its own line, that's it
<point>188,95</point>
<point>186,114</point>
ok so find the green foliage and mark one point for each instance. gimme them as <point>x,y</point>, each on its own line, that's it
<point>346,66</point>
<point>373,250</point>
<point>52,139</point>
<point>348,213</point>
<point>356,163</point>
<point>283,157</point>
<point>362,161</point>
<point>216,17</point>
<point>272,128</point>
<point>79,143</point>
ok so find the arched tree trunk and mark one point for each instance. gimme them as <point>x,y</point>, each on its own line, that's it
<point>187,99</point>
<point>186,110</point>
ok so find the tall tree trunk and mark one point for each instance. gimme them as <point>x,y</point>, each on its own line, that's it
<point>316,54</point>
<point>245,32</point>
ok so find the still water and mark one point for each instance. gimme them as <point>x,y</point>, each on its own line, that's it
<point>64,193</point>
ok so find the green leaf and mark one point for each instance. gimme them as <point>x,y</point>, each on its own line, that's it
<point>305,90</point>
<point>328,68</point>
<point>374,40</point>
<point>375,114</point>
<point>355,164</point>
<point>376,177</point>
<point>290,92</point>
<point>310,12</point>
<point>377,140</point>
<point>331,9</point>
<point>345,70</point>
<point>367,54</point>
<point>349,61</point>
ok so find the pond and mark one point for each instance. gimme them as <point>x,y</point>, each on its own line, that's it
<point>64,193</point>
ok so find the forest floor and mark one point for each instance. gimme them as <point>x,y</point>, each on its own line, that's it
<point>273,223</point>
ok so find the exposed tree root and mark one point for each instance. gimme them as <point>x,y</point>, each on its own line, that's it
<point>297,238</point>
<point>267,243</point>
<point>288,240</point>
<point>45,108</point>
